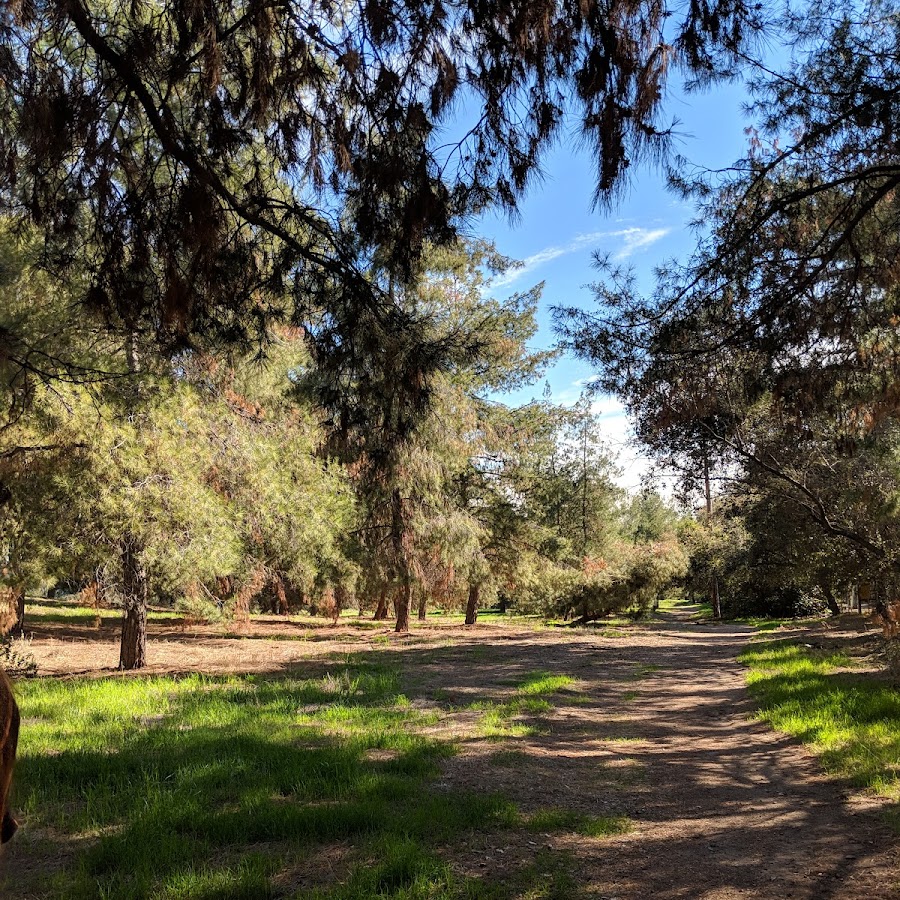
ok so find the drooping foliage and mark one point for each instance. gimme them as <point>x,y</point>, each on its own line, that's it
<point>201,162</point>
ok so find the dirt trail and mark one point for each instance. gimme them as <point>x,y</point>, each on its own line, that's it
<point>724,807</point>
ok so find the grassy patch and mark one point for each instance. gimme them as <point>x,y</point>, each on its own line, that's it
<point>704,610</point>
<point>70,612</point>
<point>508,718</point>
<point>852,720</point>
<point>539,683</point>
<point>569,820</point>
<point>549,877</point>
<point>230,788</point>
<point>763,625</point>
<point>202,787</point>
<point>642,671</point>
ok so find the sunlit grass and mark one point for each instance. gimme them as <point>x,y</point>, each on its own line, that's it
<point>72,612</point>
<point>851,720</point>
<point>510,717</point>
<point>568,820</point>
<point>544,683</point>
<point>184,788</point>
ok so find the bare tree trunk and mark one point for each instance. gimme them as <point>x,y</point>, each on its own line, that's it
<point>833,606</point>
<point>423,606</point>
<point>401,605</point>
<point>18,628</point>
<point>133,648</point>
<point>340,601</point>
<point>584,490</point>
<point>716,600</point>
<point>472,604</point>
<point>404,595</point>
<point>281,601</point>
<point>381,609</point>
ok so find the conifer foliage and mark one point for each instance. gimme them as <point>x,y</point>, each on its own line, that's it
<point>201,162</point>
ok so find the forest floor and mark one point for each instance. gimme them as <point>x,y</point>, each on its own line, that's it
<point>649,724</point>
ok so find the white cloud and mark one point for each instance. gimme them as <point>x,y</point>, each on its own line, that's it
<point>616,430</point>
<point>608,407</point>
<point>632,240</point>
<point>639,238</point>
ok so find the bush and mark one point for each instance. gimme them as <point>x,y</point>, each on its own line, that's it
<point>15,657</point>
<point>789,601</point>
<point>635,578</point>
<point>198,611</point>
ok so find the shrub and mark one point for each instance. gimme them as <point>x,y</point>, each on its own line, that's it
<point>198,611</point>
<point>16,658</point>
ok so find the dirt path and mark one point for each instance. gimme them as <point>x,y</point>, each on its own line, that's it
<point>724,807</point>
<point>657,726</point>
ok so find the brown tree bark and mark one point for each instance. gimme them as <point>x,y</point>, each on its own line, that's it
<point>472,604</point>
<point>404,595</point>
<point>423,606</point>
<point>381,609</point>
<point>133,646</point>
<point>281,600</point>
<point>401,605</point>
<point>19,604</point>
<point>340,601</point>
<point>714,599</point>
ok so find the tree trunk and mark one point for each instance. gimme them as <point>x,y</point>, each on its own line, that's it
<point>340,601</point>
<point>18,628</point>
<point>381,608</point>
<point>716,600</point>
<point>833,606</point>
<point>401,605</point>
<point>398,529</point>
<point>472,604</point>
<point>133,648</point>
<point>423,605</point>
<point>283,608</point>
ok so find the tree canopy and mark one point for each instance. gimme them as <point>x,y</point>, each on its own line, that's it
<point>771,352</point>
<point>200,163</point>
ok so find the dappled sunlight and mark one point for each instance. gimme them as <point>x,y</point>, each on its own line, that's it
<point>453,756</point>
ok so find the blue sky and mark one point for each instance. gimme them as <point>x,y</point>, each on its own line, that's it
<point>558,233</point>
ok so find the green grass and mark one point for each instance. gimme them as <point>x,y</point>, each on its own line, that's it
<point>508,718</point>
<point>852,720</point>
<point>568,820</point>
<point>642,671</point>
<point>538,683</point>
<point>764,625</point>
<point>217,788</point>
<point>71,612</point>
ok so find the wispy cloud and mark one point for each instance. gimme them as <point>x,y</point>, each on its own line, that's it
<point>631,240</point>
<point>638,238</point>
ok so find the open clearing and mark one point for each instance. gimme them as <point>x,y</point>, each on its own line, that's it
<point>618,763</point>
